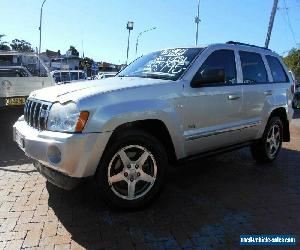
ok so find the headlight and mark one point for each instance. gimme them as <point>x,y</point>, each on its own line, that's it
<point>66,118</point>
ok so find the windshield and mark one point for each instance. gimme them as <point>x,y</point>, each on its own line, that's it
<point>165,64</point>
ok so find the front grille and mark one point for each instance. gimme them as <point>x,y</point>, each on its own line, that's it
<point>36,113</point>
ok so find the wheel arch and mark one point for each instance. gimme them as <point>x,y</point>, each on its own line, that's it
<point>281,113</point>
<point>154,127</point>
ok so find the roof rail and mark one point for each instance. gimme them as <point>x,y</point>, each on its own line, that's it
<point>246,44</point>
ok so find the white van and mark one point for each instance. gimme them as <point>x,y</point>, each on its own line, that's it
<point>68,76</point>
<point>103,75</point>
<point>20,74</point>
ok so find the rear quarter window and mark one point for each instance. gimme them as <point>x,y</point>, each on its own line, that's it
<point>277,70</point>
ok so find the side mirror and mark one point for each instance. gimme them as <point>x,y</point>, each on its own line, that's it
<point>207,76</point>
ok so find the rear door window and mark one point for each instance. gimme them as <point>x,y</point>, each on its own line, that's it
<point>277,70</point>
<point>253,68</point>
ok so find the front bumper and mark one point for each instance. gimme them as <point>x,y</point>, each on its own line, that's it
<point>57,178</point>
<point>73,155</point>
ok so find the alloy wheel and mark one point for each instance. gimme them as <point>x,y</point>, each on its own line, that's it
<point>273,140</point>
<point>132,172</point>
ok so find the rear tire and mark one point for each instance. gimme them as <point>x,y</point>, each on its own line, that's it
<point>132,169</point>
<point>268,147</point>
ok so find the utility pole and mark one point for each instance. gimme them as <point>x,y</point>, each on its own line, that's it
<point>40,28</point>
<point>272,17</point>
<point>197,20</point>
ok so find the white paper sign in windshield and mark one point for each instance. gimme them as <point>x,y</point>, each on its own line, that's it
<point>170,61</point>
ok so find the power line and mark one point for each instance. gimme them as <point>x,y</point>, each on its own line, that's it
<point>284,19</point>
<point>289,22</point>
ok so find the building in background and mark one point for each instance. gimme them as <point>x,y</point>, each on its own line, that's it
<point>56,61</point>
<point>48,56</point>
<point>108,67</point>
<point>71,61</point>
<point>65,62</point>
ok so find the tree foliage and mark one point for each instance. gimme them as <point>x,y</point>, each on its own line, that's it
<point>86,63</point>
<point>293,62</point>
<point>3,44</point>
<point>21,45</point>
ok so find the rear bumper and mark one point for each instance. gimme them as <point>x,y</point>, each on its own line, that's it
<point>73,155</point>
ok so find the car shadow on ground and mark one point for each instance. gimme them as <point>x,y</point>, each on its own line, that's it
<point>208,203</point>
<point>10,154</point>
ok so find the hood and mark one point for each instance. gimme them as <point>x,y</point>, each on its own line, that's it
<point>73,91</point>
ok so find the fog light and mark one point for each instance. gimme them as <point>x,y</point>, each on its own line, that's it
<point>54,154</point>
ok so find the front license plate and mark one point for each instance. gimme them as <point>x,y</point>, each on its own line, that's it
<point>20,140</point>
<point>15,101</point>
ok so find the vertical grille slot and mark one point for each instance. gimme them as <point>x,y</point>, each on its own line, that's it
<point>28,106</point>
<point>31,113</point>
<point>36,113</point>
<point>43,117</point>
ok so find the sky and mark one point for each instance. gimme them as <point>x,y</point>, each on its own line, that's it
<point>100,26</point>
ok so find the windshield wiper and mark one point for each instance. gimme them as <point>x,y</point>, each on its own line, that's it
<point>161,75</point>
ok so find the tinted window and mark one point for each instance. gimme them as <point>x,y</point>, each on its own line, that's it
<point>277,70</point>
<point>219,60</point>
<point>253,68</point>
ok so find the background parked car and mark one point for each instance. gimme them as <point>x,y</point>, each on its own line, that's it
<point>20,74</point>
<point>103,75</point>
<point>67,76</point>
<point>296,100</point>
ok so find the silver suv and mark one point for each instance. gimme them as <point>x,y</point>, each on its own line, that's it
<point>165,107</point>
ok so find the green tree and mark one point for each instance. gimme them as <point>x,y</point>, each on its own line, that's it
<point>86,63</point>
<point>293,62</point>
<point>73,51</point>
<point>21,45</point>
<point>3,45</point>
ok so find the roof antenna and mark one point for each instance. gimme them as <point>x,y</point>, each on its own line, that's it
<point>82,48</point>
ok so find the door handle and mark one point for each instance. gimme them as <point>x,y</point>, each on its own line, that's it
<point>268,92</point>
<point>233,97</point>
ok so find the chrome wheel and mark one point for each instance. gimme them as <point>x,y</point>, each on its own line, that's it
<point>132,172</point>
<point>273,140</point>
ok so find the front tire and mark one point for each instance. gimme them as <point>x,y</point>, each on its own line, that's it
<point>132,169</point>
<point>268,147</point>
